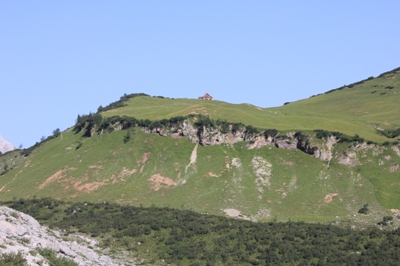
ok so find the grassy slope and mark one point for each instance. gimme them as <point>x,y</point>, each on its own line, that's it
<point>104,168</point>
<point>299,183</point>
<point>358,110</point>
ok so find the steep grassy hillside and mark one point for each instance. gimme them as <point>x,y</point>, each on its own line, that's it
<point>260,184</point>
<point>250,179</point>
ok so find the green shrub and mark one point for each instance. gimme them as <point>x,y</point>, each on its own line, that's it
<point>251,131</point>
<point>386,143</point>
<point>223,125</point>
<point>322,134</point>
<point>386,220</point>
<point>236,127</point>
<point>271,132</point>
<point>56,132</point>
<point>204,121</point>
<point>78,145</point>
<point>12,259</point>
<point>300,136</point>
<point>120,102</point>
<point>391,133</point>
<point>364,209</point>
<point>127,136</point>
<point>53,260</point>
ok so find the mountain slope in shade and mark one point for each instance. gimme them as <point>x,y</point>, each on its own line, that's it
<point>5,146</point>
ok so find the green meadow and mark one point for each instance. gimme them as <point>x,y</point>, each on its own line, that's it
<point>358,109</point>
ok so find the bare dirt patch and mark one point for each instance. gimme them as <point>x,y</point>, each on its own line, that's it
<point>396,149</point>
<point>262,169</point>
<point>160,181</point>
<point>25,166</point>
<point>193,157</point>
<point>329,197</point>
<point>177,166</point>
<point>145,157</point>
<point>60,174</point>
<point>176,135</point>
<point>95,167</point>
<point>394,167</point>
<point>212,174</point>
<point>78,184</point>
<point>349,158</point>
<point>231,138</point>
<point>89,187</point>
<point>236,162</point>
<point>235,213</point>
<point>396,213</point>
<point>258,143</point>
<point>127,172</point>
<point>261,214</point>
<point>292,184</point>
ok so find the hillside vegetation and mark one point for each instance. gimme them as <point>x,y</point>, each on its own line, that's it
<point>159,236</point>
<point>359,108</point>
<point>253,163</point>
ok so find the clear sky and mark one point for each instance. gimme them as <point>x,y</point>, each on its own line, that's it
<point>59,59</point>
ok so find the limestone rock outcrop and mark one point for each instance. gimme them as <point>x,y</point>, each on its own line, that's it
<point>22,233</point>
<point>5,146</point>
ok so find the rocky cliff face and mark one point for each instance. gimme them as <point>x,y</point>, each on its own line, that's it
<point>22,233</point>
<point>214,135</point>
<point>5,146</point>
<point>208,136</point>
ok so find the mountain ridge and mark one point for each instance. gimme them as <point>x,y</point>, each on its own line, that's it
<point>362,108</point>
<point>318,160</point>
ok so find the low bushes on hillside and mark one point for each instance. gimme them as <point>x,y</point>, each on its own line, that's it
<point>391,133</point>
<point>362,81</point>
<point>12,259</point>
<point>120,102</point>
<point>186,237</point>
<point>95,123</point>
<point>340,137</point>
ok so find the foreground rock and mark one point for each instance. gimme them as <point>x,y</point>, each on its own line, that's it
<point>22,233</point>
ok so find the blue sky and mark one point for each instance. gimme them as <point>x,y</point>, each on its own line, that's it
<point>59,59</point>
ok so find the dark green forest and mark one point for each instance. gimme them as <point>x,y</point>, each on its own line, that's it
<point>183,237</point>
